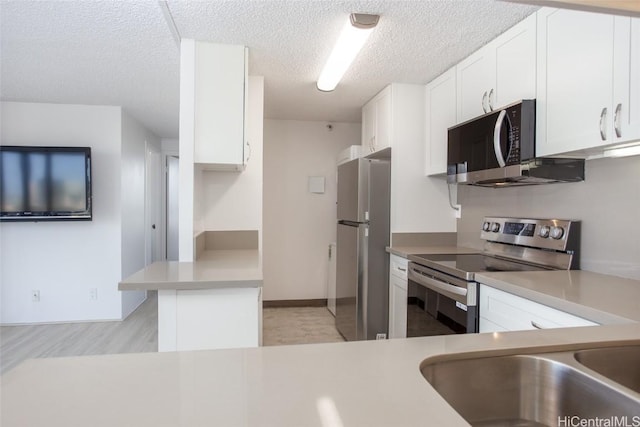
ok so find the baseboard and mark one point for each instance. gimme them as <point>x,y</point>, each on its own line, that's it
<point>295,303</point>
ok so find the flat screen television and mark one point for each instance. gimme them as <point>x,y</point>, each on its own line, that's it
<point>45,183</point>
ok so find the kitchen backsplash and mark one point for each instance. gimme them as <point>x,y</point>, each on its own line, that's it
<point>607,203</point>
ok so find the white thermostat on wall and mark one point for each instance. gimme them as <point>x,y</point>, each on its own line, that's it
<point>316,184</point>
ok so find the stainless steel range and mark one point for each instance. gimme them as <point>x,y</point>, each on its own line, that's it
<point>443,293</point>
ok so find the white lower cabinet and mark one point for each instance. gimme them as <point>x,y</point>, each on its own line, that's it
<point>209,319</point>
<point>502,311</point>
<point>397,297</point>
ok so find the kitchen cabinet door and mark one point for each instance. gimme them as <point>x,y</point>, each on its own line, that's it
<point>368,126</point>
<point>575,80</point>
<point>382,137</point>
<point>515,62</point>
<point>500,73</point>
<point>376,122</point>
<point>398,297</point>
<point>501,310</point>
<point>440,114</point>
<point>475,81</point>
<point>220,105</point>
<point>626,80</point>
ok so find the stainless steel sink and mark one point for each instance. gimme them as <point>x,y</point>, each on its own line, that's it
<point>527,390</point>
<point>619,364</point>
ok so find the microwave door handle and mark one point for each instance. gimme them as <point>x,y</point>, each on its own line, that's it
<point>496,138</point>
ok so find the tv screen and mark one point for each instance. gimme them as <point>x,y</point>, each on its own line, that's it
<point>45,183</point>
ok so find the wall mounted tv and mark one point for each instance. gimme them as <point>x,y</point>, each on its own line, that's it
<point>45,183</point>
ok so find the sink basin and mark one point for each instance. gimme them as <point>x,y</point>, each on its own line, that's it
<point>619,364</point>
<point>526,390</point>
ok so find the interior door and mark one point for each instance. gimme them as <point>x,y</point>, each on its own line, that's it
<point>173,183</point>
<point>153,203</point>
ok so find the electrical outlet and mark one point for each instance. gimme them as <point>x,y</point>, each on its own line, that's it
<point>93,294</point>
<point>381,336</point>
<point>35,295</point>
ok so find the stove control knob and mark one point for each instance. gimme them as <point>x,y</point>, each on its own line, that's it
<point>495,227</point>
<point>544,231</point>
<point>486,225</point>
<point>557,233</point>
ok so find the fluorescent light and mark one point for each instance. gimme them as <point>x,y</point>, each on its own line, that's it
<point>632,150</point>
<point>354,34</point>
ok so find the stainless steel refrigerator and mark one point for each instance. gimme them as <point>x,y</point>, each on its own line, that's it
<point>362,264</point>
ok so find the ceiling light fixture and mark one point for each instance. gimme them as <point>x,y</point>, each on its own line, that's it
<point>353,36</point>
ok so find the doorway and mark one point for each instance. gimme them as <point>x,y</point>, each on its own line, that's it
<point>172,224</point>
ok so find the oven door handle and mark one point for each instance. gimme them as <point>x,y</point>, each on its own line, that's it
<point>436,285</point>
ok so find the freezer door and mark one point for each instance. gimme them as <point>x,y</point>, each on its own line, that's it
<point>347,281</point>
<point>352,190</point>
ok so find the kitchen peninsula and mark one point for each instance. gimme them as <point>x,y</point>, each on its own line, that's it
<point>363,383</point>
<point>212,303</point>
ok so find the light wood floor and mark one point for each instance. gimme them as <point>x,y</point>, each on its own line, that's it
<point>139,334</point>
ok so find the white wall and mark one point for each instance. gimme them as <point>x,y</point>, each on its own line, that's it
<point>233,200</point>
<point>187,140</point>
<point>169,146</point>
<point>607,203</point>
<point>64,260</point>
<point>298,225</point>
<point>135,140</point>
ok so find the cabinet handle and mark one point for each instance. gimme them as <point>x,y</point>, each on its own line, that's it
<point>616,121</point>
<point>603,123</point>
<point>373,143</point>
<point>249,153</point>
<point>484,101</point>
<point>536,325</point>
<point>402,269</point>
<point>490,100</point>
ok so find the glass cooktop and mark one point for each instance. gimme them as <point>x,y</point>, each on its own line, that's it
<point>464,265</point>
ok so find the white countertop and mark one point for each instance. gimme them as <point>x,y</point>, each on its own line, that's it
<point>214,269</point>
<point>597,297</point>
<point>366,383</point>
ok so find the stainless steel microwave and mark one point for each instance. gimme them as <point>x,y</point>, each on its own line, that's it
<point>499,149</point>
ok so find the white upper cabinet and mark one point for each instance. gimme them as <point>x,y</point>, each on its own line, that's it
<point>475,84</point>
<point>220,103</point>
<point>626,80</point>
<point>500,73</point>
<point>376,122</point>
<point>440,114</point>
<point>588,95</point>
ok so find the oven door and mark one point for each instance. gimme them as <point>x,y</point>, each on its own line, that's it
<point>439,304</point>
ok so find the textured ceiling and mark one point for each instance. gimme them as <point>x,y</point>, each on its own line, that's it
<point>123,53</point>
